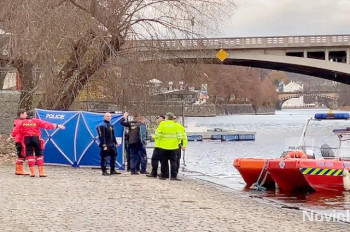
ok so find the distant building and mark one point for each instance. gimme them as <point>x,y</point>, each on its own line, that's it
<point>293,86</point>
<point>183,95</point>
<point>170,94</point>
<point>12,81</point>
<point>155,85</point>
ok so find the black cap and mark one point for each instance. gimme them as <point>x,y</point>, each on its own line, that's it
<point>161,116</point>
<point>30,113</point>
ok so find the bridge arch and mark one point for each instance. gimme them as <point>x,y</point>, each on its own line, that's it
<point>284,96</point>
<point>339,72</point>
<point>318,56</point>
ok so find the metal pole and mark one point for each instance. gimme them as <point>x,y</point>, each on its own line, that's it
<point>183,113</point>
<point>87,95</point>
<point>303,135</point>
<point>183,158</point>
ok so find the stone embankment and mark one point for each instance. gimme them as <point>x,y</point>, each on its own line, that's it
<point>8,109</point>
<point>72,199</point>
<point>228,109</point>
<point>7,151</point>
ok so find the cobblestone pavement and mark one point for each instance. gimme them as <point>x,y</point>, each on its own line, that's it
<point>83,200</point>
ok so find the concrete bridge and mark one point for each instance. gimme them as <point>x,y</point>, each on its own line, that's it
<point>324,56</point>
<point>284,96</point>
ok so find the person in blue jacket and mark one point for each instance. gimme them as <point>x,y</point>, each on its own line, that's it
<point>143,137</point>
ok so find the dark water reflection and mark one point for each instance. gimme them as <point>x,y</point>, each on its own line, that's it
<point>213,160</point>
<point>313,200</point>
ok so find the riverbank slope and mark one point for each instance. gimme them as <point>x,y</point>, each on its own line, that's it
<point>83,200</point>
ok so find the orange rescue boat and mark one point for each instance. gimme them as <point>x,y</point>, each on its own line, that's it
<point>286,173</point>
<point>253,170</point>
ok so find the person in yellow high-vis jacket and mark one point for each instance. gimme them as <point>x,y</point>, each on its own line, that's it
<point>182,143</point>
<point>157,153</point>
<point>168,135</point>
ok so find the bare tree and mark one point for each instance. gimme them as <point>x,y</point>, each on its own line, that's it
<point>69,41</point>
<point>2,72</point>
<point>232,84</point>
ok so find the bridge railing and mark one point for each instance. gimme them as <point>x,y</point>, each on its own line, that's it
<point>240,43</point>
<point>309,92</point>
<point>282,96</point>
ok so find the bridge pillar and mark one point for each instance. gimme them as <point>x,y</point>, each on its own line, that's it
<point>305,53</point>
<point>348,55</point>
<point>326,55</point>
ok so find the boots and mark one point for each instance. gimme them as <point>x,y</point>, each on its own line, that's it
<point>32,171</point>
<point>19,170</point>
<point>41,171</point>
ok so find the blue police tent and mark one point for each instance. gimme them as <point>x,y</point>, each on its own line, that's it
<point>77,145</point>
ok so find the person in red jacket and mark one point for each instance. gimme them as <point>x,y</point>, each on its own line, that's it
<point>30,129</point>
<point>21,114</point>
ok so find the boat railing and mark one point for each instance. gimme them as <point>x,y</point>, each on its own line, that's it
<point>314,152</point>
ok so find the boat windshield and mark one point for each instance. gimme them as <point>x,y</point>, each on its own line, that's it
<point>344,143</point>
<point>293,144</point>
<point>318,138</point>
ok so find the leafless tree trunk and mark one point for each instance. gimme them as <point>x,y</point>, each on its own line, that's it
<point>26,72</point>
<point>52,99</point>
<point>2,72</point>
<point>72,89</point>
<point>43,32</point>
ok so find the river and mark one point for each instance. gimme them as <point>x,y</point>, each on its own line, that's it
<point>213,160</point>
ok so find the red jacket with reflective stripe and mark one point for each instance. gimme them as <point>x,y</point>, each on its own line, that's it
<point>31,127</point>
<point>19,136</point>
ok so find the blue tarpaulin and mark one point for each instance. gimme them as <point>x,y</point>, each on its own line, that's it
<point>77,145</point>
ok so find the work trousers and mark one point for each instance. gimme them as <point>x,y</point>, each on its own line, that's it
<point>110,152</point>
<point>19,149</point>
<point>127,151</point>
<point>169,155</point>
<point>33,143</point>
<point>135,156</point>
<point>156,158</point>
<point>143,159</point>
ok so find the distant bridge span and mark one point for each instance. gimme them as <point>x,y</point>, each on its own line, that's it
<point>284,96</point>
<point>325,56</point>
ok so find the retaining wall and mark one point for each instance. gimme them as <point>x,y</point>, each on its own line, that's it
<point>9,100</point>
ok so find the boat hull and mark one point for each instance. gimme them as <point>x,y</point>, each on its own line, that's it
<point>287,175</point>
<point>250,170</point>
<point>324,175</point>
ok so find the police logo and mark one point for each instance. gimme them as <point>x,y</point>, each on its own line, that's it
<point>55,116</point>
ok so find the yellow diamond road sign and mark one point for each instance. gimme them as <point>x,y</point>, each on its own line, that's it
<point>222,55</point>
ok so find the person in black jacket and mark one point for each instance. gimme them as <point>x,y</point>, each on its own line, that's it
<point>126,143</point>
<point>108,144</point>
<point>135,144</point>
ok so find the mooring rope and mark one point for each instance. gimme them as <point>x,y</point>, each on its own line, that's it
<point>259,186</point>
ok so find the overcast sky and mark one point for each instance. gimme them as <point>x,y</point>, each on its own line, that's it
<point>288,17</point>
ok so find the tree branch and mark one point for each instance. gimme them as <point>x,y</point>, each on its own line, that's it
<point>79,6</point>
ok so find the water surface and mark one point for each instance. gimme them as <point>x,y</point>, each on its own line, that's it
<point>213,160</point>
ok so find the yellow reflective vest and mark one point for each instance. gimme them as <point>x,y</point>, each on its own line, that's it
<point>168,135</point>
<point>183,142</point>
<point>156,142</point>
